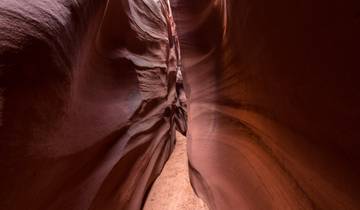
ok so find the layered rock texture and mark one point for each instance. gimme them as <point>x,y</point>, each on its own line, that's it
<point>89,102</point>
<point>92,93</point>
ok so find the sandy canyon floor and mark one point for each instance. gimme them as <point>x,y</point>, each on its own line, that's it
<point>172,190</point>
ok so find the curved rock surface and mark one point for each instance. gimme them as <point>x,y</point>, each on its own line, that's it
<point>89,102</point>
<point>91,95</point>
<point>273,97</point>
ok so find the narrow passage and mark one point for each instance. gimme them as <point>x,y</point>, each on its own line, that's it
<point>172,190</point>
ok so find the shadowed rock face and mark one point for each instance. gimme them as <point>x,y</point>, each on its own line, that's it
<point>273,102</point>
<point>89,104</point>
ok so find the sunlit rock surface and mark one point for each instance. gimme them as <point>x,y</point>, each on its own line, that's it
<point>90,100</point>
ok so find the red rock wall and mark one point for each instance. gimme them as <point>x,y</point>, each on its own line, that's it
<point>89,104</point>
<point>273,102</point>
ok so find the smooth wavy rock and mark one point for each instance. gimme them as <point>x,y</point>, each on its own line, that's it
<point>92,92</point>
<point>273,97</point>
<point>89,102</point>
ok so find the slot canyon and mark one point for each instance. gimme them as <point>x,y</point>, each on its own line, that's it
<point>179,104</point>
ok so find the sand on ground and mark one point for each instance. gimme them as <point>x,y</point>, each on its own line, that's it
<point>172,190</point>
